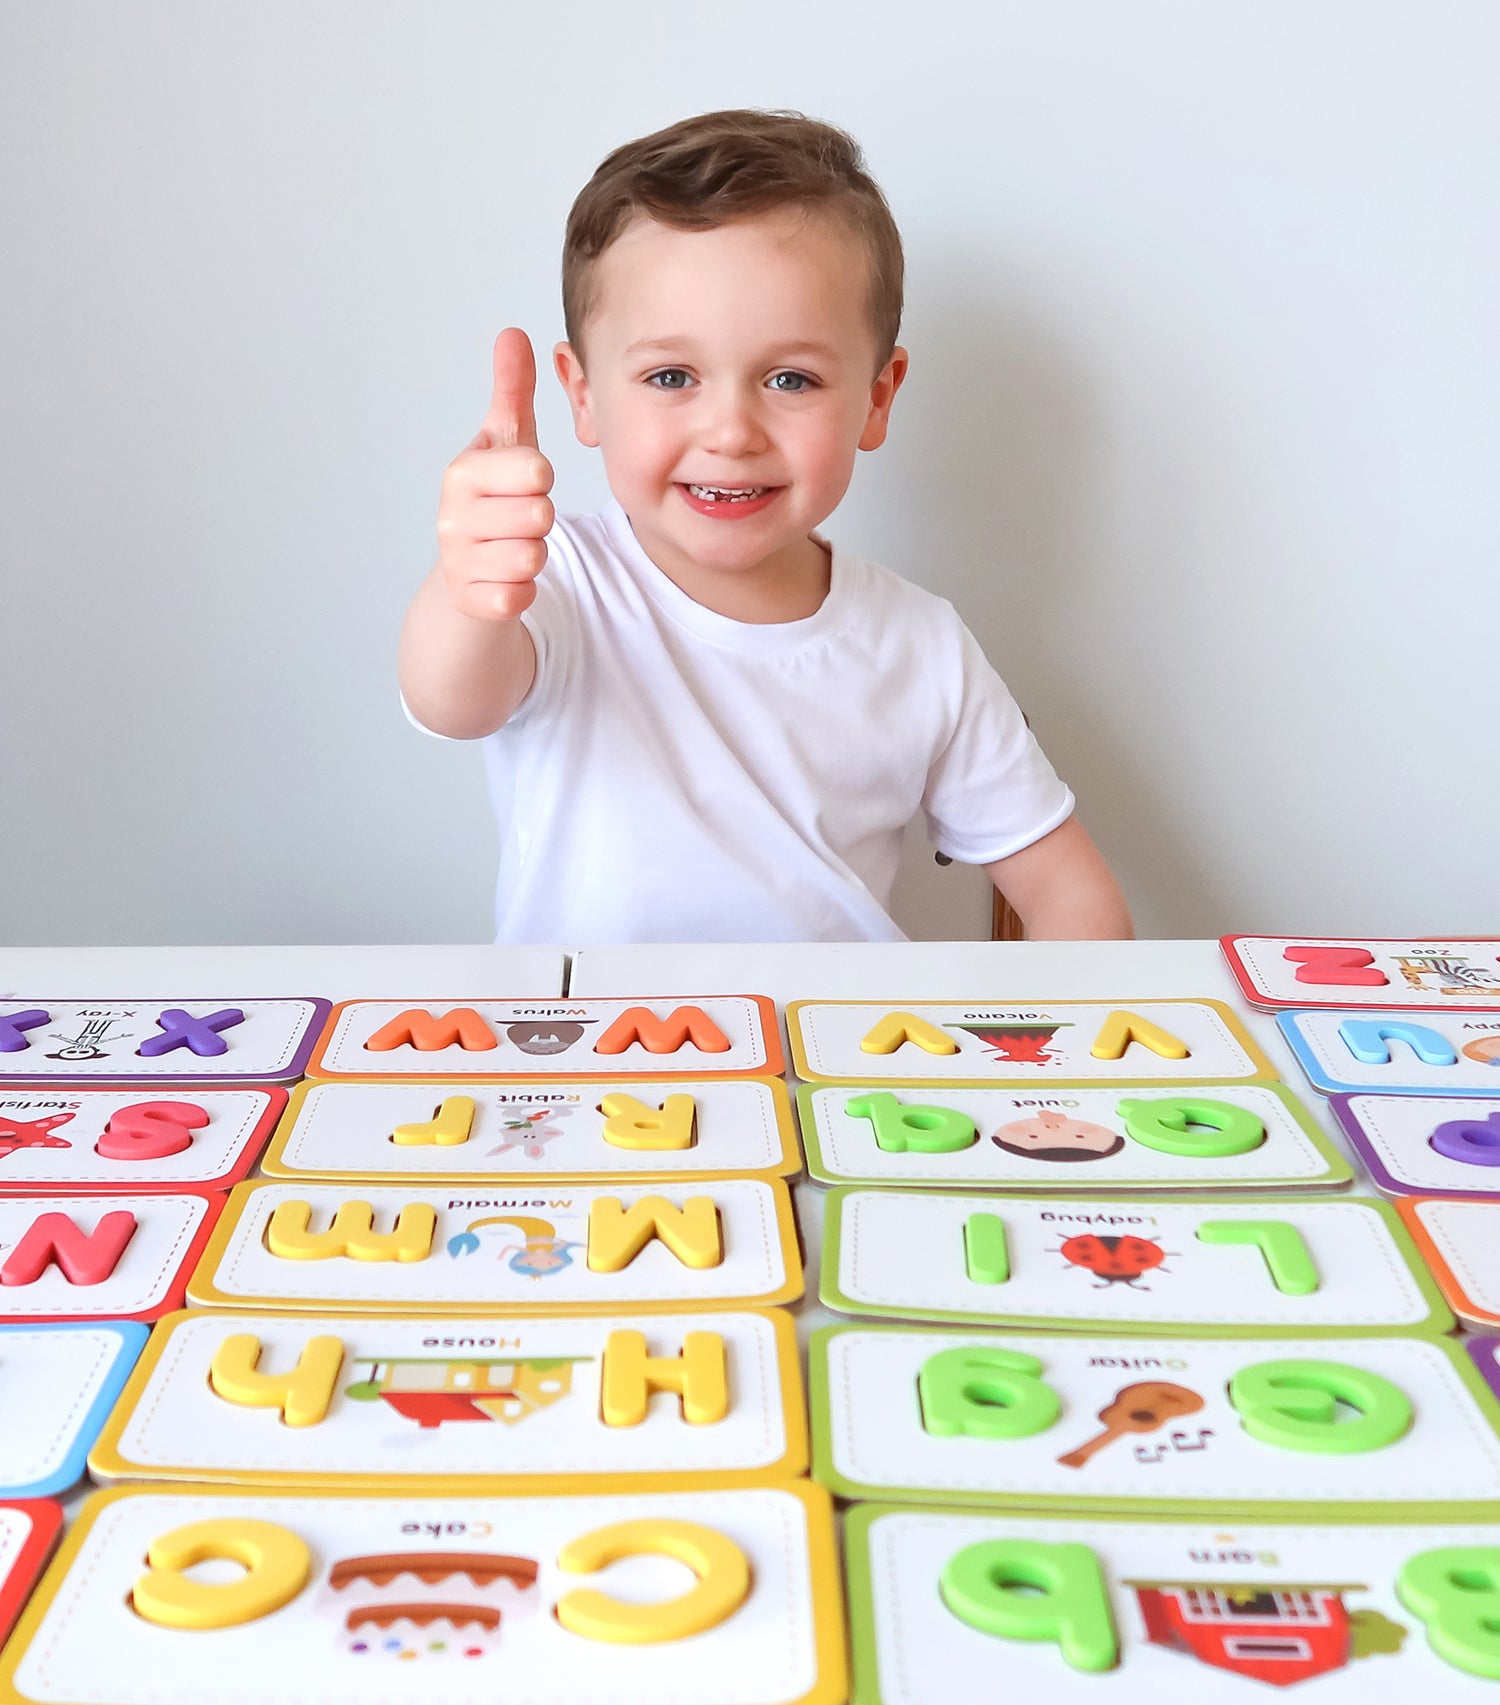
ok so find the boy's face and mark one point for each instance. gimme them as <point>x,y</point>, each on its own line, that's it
<point>739,360</point>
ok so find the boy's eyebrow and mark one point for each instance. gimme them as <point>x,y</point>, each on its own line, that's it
<point>672,345</point>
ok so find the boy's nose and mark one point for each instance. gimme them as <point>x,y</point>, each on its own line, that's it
<point>732,426</point>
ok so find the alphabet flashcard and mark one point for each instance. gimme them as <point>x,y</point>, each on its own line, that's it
<point>708,1036</point>
<point>1069,1609</point>
<point>28,1531</point>
<point>465,1132</point>
<point>57,1385</point>
<point>157,1041</point>
<point>1333,971</point>
<point>1460,1242</point>
<point>1127,1264</point>
<point>655,1598</point>
<point>1228,1428</point>
<point>62,1140</point>
<point>1425,1145</point>
<point>1396,1053</point>
<point>100,1257</point>
<point>1069,1137</point>
<point>497,1405</point>
<point>639,1248</point>
<point>1023,1043</point>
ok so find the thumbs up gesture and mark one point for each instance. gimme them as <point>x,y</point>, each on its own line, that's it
<point>495,513</point>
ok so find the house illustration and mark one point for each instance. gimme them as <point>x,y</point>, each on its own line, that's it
<point>1278,1634</point>
<point>433,1389</point>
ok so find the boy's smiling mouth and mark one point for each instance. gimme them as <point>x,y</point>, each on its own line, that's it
<point>735,500</point>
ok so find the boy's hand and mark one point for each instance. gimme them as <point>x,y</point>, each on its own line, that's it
<point>495,513</point>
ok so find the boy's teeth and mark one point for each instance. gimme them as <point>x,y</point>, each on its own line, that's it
<point>724,494</point>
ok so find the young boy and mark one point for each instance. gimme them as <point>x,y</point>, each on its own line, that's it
<point>701,720</point>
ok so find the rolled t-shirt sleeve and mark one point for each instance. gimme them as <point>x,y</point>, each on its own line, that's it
<point>991,790</point>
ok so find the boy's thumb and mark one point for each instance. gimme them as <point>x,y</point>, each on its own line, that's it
<point>511,419</point>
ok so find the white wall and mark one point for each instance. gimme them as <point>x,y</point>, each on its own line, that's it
<point>1201,434</point>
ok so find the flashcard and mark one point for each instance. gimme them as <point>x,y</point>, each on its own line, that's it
<point>1394,1053</point>
<point>28,1531</point>
<point>499,1405</point>
<point>157,1041</point>
<point>1483,1350</point>
<point>1425,1145</point>
<point>63,1140</point>
<point>461,1132</point>
<point>664,1598</point>
<point>707,1036</point>
<point>1460,1241</point>
<point>1132,1265</point>
<point>1073,1137</point>
<point>942,1601</point>
<point>57,1385</point>
<point>113,1257</point>
<point>1349,1428</point>
<point>1401,971</point>
<point>1021,1043</point>
<point>639,1248</point>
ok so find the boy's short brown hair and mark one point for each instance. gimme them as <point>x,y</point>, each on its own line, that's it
<point>722,166</point>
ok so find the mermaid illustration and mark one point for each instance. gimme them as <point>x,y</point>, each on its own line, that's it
<point>543,1252</point>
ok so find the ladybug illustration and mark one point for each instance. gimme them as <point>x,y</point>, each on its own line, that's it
<point>1114,1260</point>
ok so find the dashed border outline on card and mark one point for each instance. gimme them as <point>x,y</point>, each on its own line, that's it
<point>130,1338</point>
<point>1449,1268</point>
<point>782,1378</point>
<point>44,1520</point>
<point>1366,1138</point>
<point>274,1163</point>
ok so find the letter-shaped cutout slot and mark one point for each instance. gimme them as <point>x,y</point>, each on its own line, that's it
<point>1350,967</point>
<point>276,1560</point>
<point>430,1032</point>
<point>150,1130</point>
<point>82,1257</point>
<point>896,1029</point>
<point>302,1396</point>
<point>352,1233</point>
<point>1121,1028</point>
<point>1369,1039</point>
<point>699,1375</point>
<point>683,1025</point>
<point>450,1124</point>
<point>1283,1249</point>
<point>617,1234</point>
<point>900,1126</point>
<point>631,1124</point>
<point>722,1585</point>
<point>1027,1589</point>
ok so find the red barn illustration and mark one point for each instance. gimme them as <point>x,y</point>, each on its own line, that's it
<point>1277,1634</point>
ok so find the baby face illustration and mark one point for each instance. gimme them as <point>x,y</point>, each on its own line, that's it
<point>1055,1136</point>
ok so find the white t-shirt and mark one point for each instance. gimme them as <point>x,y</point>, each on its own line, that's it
<point>675,775</point>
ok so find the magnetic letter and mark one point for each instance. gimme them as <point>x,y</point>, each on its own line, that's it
<point>699,1376</point>
<point>302,1396</point>
<point>352,1233</point>
<point>980,1392</point>
<point>1024,1589</point>
<point>1367,1038</point>
<point>631,1124</point>
<point>449,1126</point>
<point>924,1130</point>
<point>180,1029</point>
<point>1286,1256</point>
<point>722,1586</point>
<point>84,1258</point>
<point>150,1130</point>
<point>427,1032</point>
<point>277,1561</point>
<point>1349,966</point>
<point>1475,1142</point>
<point>1120,1029</point>
<point>1294,1405</point>
<point>1189,1125</point>
<point>12,1024</point>
<point>986,1254</point>
<point>1456,1591</point>
<point>617,1235</point>
<point>896,1029</point>
<point>663,1035</point>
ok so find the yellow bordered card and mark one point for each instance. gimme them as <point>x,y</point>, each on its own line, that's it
<point>530,1133</point>
<point>653,1248</point>
<point>658,1598</point>
<point>1023,1043</point>
<point>495,1405</point>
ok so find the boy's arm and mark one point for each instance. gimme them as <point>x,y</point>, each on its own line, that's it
<point>466,659</point>
<point>1063,889</point>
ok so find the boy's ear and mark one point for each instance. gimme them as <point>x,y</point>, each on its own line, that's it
<point>882,395</point>
<point>575,382</point>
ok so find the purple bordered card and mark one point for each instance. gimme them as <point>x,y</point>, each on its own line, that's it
<point>1425,1145</point>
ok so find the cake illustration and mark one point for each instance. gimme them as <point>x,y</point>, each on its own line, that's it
<point>420,1604</point>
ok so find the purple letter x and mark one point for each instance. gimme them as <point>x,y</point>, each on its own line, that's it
<point>181,1030</point>
<point>13,1023</point>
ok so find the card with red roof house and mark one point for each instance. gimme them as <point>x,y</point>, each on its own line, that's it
<point>1450,974</point>
<point>1072,1609</point>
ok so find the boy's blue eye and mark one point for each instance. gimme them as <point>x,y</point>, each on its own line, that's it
<point>668,379</point>
<point>790,383</point>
